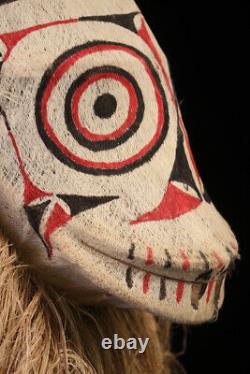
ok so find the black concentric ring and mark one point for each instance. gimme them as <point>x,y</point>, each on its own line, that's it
<point>103,144</point>
<point>59,153</point>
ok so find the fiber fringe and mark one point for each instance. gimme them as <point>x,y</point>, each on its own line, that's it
<point>44,333</point>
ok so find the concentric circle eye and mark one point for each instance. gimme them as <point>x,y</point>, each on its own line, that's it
<point>3,50</point>
<point>104,107</point>
<point>101,108</point>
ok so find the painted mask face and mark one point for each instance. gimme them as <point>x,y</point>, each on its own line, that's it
<point>99,188</point>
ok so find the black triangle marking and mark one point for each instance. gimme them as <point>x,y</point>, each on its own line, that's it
<point>79,204</point>
<point>206,196</point>
<point>181,170</point>
<point>124,20</point>
<point>35,213</point>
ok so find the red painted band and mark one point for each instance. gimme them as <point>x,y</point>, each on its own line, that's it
<point>144,34</point>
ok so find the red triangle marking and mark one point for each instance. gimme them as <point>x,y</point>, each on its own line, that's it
<point>57,218</point>
<point>174,203</point>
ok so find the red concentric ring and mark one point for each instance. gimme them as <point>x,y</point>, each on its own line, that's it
<point>54,75</point>
<point>132,110</point>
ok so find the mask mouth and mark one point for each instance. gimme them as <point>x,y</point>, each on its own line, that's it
<point>200,269</point>
<point>179,299</point>
<point>203,284</point>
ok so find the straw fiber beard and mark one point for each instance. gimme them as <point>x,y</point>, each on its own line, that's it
<point>97,168</point>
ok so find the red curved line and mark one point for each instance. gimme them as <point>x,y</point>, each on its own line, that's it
<point>144,34</point>
<point>11,39</point>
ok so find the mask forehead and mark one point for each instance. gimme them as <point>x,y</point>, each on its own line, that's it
<point>100,159</point>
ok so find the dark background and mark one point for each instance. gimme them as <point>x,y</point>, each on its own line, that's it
<point>205,47</point>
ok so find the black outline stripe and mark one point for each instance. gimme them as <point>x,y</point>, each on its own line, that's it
<point>131,252</point>
<point>129,279</point>
<point>3,114</point>
<point>168,262</point>
<point>162,293</point>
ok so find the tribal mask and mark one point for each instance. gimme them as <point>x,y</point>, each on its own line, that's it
<point>99,188</point>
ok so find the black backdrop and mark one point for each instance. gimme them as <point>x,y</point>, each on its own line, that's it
<point>205,49</point>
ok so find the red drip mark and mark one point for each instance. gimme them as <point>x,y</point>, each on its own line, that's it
<point>219,260</point>
<point>209,289</point>
<point>144,34</point>
<point>179,291</point>
<point>31,192</point>
<point>58,218</point>
<point>185,262</point>
<point>146,278</point>
<point>174,203</point>
<point>11,39</point>
<point>181,285</point>
<point>150,260</point>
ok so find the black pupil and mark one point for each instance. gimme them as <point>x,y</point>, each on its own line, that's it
<point>105,106</point>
